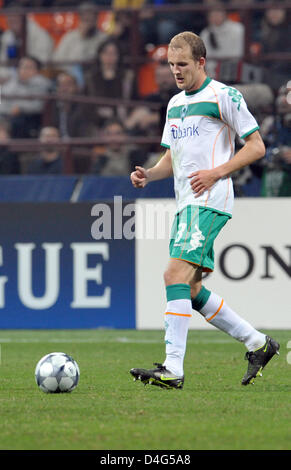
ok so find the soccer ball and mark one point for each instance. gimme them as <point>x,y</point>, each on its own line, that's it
<point>56,373</point>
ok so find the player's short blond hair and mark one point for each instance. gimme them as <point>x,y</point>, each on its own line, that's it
<point>196,44</point>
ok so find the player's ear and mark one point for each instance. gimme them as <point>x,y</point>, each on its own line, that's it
<point>202,62</point>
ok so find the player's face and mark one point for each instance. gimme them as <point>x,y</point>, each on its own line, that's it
<point>188,73</point>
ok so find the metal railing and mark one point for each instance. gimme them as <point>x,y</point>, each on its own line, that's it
<point>135,60</point>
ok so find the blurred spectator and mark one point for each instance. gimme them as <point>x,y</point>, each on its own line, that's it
<point>155,27</point>
<point>39,43</point>
<point>143,120</point>
<point>276,31</point>
<point>158,27</point>
<point>66,115</point>
<point>223,38</point>
<point>259,97</point>
<point>116,158</point>
<point>9,162</point>
<point>191,21</point>
<point>49,161</point>
<point>108,78</point>
<point>121,30</point>
<point>25,114</point>
<point>81,44</point>
<point>276,132</point>
<point>166,89</point>
<point>276,37</point>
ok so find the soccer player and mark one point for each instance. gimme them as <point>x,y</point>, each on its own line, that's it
<point>201,123</point>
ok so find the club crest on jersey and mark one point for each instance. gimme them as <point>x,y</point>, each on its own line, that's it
<point>181,133</point>
<point>184,112</point>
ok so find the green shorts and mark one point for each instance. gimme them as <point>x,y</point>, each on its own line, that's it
<point>193,233</point>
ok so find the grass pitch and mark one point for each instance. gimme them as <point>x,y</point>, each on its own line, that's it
<point>109,411</point>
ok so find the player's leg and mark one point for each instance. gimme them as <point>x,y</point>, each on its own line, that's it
<point>216,311</point>
<point>178,312</point>
<point>170,374</point>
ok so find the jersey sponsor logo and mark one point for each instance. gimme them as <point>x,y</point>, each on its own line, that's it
<point>180,133</point>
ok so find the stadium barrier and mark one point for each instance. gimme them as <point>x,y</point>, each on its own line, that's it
<point>100,264</point>
<point>252,265</point>
<point>40,188</point>
<point>55,275</point>
<point>77,188</point>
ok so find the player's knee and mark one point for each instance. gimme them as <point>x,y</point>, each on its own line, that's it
<point>168,277</point>
<point>178,272</point>
<point>173,276</point>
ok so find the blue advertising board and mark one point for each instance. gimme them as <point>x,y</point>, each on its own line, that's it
<point>54,274</point>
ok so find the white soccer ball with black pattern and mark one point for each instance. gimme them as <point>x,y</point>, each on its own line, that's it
<point>56,373</point>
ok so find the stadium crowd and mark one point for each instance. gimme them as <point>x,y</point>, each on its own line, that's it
<point>85,73</point>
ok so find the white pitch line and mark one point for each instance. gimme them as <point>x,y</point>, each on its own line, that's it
<point>96,341</point>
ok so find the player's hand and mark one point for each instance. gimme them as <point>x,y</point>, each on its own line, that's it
<point>202,180</point>
<point>139,177</point>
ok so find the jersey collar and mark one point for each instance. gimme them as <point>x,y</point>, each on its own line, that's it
<point>204,85</point>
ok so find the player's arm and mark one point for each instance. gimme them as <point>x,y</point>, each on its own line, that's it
<point>163,169</point>
<point>253,150</point>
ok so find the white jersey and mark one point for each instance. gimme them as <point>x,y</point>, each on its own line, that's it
<point>200,130</point>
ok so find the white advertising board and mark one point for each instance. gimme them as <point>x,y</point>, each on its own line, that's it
<point>252,263</point>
